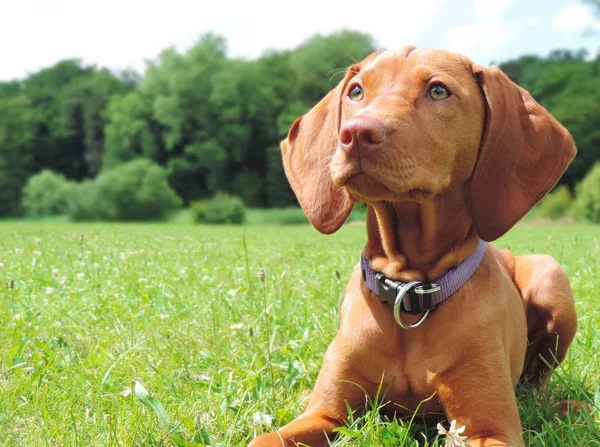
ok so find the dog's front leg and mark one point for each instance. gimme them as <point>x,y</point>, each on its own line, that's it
<point>335,391</point>
<point>479,395</point>
<point>311,429</point>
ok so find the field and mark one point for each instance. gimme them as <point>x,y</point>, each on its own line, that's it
<point>100,315</point>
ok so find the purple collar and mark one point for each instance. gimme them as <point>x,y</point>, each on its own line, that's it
<point>421,297</point>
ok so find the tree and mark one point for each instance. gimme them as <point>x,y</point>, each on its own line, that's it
<point>81,120</point>
<point>130,130</point>
<point>17,139</point>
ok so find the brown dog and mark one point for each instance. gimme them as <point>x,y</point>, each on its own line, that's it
<point>445,153</point>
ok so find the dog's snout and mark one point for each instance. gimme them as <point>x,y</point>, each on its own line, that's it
<point>362,132</point>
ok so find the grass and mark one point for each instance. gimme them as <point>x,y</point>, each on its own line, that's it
<point>153,335</point>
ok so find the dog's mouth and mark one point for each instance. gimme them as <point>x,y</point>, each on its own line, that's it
<point>366,188</point>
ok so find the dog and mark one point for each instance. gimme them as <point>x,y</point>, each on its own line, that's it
<point>448,156</point>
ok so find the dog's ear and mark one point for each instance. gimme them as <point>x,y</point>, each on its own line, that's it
<point>524,151</point>
<point>307,152</point>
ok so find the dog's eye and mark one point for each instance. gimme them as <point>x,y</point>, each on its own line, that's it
<point>438,92</point>
<point>356,93</point>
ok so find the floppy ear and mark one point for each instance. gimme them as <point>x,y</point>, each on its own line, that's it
<point>523,153</point>
<point>307,152</point>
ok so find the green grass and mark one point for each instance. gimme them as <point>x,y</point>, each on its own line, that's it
<point>179,309</point>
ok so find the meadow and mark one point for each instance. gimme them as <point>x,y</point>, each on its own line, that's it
<point>164,334</point>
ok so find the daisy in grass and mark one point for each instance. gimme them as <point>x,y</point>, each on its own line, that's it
<point>453,435</point>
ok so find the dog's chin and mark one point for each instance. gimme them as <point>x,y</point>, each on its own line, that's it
<point>365,188</point>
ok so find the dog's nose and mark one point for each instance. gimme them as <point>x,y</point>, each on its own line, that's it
<point>362,132</point>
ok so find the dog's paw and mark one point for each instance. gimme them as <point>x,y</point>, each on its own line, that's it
<point>268,440</point>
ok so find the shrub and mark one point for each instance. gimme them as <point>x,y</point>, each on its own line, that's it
<point>557,204</point>
<point>47,194</point>
<point>587,203</point>
<point>221,209</point>
<point>133,191</point>
<point>276,216</point>
<point>87,203</point>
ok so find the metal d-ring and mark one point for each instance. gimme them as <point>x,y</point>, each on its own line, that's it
<point>398,304</point>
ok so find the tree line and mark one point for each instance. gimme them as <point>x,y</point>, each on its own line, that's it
<point>214,122</point>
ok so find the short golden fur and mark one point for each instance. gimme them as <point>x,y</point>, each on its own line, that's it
<point>437,177</point>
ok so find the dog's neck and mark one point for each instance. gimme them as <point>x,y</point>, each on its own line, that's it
<point>411,241</point>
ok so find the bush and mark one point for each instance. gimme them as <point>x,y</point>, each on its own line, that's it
<point>221,209</point>
<point>47,194</point>
<point>87,203</point>
<point>276,216</point>
<point>587,204</point>
<point>557,204</point>
<point>133,191</point>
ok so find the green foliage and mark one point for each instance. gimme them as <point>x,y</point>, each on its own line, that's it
<point>277,188</point>
<point>557,204</point>
<point>246,186</point>
<point>276,216</point>
<point>567,85</point>
<point>87,203</point>
<point>136,190</point>
<point>215,122</point>
<point>219,117</point>
<point>221,209</point>
<point>587,205</point>
<point>130,131</point>
<point>17,140</point>
<point>47,194</point>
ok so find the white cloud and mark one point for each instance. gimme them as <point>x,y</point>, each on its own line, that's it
<point>486,32</point>
<point>478,41</point>
<point>490,7</point>
<point>575,17</point>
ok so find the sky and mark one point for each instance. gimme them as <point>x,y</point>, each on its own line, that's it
<point>124,34</point>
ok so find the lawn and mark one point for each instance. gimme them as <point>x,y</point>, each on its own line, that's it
<point>179,311</point>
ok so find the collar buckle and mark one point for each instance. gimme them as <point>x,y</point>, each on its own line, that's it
<point>417,305</point>
<point>419,294</point>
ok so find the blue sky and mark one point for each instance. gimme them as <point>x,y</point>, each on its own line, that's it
<point>123,34</point>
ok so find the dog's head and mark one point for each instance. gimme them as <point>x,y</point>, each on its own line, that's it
<point>405,125</point>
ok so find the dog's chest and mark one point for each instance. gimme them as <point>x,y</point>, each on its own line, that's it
<point>407,376</point>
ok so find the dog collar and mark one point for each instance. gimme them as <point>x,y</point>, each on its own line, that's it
<point>416,297</point>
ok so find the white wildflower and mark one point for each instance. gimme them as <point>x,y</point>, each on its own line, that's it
<point>37,253</point>
<point>55,272</point>
<point>262,419</point>
<point>49,290</point>
<point>453,435</point>
<point>236,326</point>
<point>123,256</point>
<point>182,272</point>
<point>1,265</point>
<point>126,391</point>
<point>63,281</point>
<point>80,275</point>
<point>37,240</point>
<point>141,280</point>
